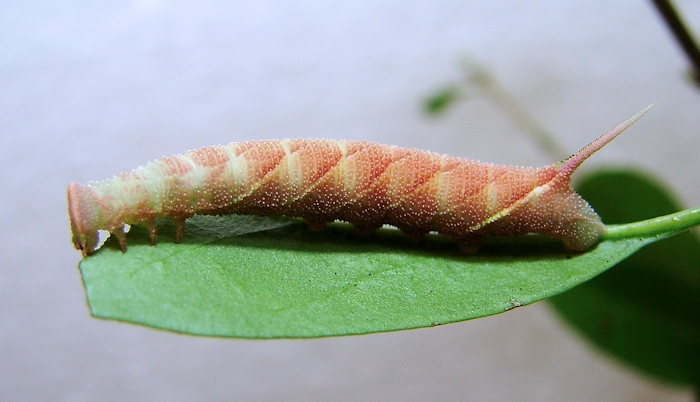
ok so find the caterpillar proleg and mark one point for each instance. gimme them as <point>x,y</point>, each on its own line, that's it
<point>363,183</point>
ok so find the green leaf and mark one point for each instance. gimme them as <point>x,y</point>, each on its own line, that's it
<point>272,278</point>
<point>645,310</point>
<point>442,100</point>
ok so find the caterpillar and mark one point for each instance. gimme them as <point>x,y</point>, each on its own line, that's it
<point>363,183</point>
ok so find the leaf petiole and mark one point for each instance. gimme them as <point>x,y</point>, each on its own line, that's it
<point>661,225</point>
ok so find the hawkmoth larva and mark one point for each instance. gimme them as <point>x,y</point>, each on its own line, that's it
<point>364,183</point>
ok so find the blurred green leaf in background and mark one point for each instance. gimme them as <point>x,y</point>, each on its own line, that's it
<point>645,309</point>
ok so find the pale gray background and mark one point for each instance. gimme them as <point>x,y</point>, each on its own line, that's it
<point>89,89</point>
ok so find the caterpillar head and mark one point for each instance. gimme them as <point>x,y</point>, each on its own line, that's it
<point>85,217</point>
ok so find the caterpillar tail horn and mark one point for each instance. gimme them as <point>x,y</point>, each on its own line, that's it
<point>569,165</point>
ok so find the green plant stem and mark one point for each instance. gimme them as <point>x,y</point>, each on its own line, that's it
<point>657,226</point>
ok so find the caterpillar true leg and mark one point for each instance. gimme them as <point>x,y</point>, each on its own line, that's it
<point>152,230</point>
<point>121,237</point>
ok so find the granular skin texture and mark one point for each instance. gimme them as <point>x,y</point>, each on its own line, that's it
<point>363,183</point>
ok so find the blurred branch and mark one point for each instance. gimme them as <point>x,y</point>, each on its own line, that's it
<point>479,82</point>
<point>516,112</point>
<point>682,34</point>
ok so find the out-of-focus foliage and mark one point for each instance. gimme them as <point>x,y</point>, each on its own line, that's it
<point>646,309</point>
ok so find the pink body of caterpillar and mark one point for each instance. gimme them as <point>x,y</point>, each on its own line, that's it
<point>364,183</point>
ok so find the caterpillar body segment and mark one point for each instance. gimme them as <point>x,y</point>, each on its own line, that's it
<point>364,183</point>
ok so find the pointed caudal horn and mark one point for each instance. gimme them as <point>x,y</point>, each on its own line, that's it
<point>568,166</point>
